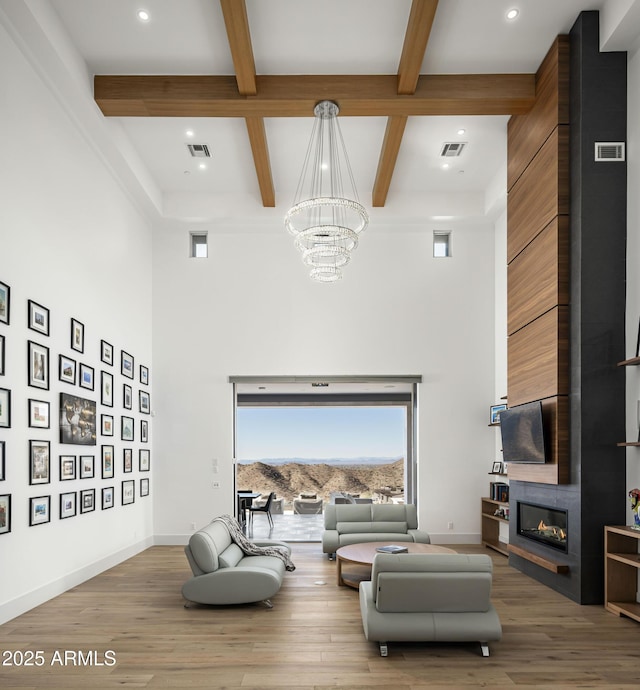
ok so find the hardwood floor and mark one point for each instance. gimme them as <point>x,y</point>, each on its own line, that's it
<point>311,639</point>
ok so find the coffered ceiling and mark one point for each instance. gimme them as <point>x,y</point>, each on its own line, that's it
<point>243,77</point>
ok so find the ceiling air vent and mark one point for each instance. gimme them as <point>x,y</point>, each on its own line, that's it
<point>199,150</point>
<point>609,151</point>
<point>452,149</point>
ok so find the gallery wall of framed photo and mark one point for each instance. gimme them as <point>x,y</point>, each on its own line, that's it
<point>75,418</point>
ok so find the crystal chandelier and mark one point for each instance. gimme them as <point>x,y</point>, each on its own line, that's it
<point>325,222</point>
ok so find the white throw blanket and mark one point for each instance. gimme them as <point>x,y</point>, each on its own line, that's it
<point>248,547</point>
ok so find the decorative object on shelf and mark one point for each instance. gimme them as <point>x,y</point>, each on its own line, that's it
<point>324,221</point>
<point>494,413</point>
<point>634,499</point>
<point>38,317</point>
<point>77,335</point>
<point>497,467</point>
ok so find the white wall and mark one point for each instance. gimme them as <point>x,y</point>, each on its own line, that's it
<point>250,309</point>
<point>71,241</point>
<point>633,267</point>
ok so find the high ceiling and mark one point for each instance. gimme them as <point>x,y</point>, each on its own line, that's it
<point>257,122</point>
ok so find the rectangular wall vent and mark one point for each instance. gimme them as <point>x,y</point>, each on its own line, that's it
<point>199,150</point>
<point>452,149</point>
<point>609,151</point>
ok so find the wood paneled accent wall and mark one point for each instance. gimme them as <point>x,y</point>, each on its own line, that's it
<point>538,261</point>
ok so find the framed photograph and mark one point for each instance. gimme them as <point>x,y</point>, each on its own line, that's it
<point>637,339</point>
<point>77,335</point>
<point>107,497</point>
<point>127,396</point>
<point>86,376</point>
<point>87,466</point>
<point>5,408</point>
<point>144,486</point>
<point>1,355</point>
<point>144,401</point>
<point>39,462</point>
<point>126,364</point>
<point>496,468</point>
<point>5,513</point>
<point>87,500</point>
<point>106,352</point>
<point>77,420</point>
<point>106,423</point>
<point>107,462</point>
<point>3,466</point>
<point>39,510</point>
<point>38,414</point>
<point>38,317</point>
<point>67,468</point>
<point>144,375</point>
<point>144,431</point>
<point>128,492</point>
<point>67,369</point>
<point>5,303</point>
<point>106,389</point>
<point>126,428</point>
<point>38,365</point>
<point>127,460</point>
<point>144,459</point>
<point>494,413</point>
<point>68,504</point>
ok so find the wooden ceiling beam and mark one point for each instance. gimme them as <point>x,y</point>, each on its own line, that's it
<point>388,157</point>
<point>237,25</point>
<point>296,96</point>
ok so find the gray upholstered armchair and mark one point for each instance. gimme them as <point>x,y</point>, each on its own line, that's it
<point>429,598</point>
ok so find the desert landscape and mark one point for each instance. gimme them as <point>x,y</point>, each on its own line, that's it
<point>289,479</point>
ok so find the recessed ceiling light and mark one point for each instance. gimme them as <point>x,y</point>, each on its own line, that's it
<point>143,15</point>
<point>189,132</point>
<point>512,14</point>
<point>461,131</point>
<point>445,166</point>
<point>203,166</point>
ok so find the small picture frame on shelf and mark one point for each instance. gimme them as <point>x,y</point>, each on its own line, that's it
<point>496,467</point>
<point>77,335</point>
<point>494,413</point>
<point>38,318</point>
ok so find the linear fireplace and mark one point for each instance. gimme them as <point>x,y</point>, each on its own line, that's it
<point>543,524</point>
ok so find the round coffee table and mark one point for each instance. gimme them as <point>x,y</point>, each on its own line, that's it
<point>361,556</point>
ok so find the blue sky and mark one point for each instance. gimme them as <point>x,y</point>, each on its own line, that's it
<point>320,432</point>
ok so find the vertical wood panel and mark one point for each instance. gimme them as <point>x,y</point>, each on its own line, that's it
<point>538,278</point>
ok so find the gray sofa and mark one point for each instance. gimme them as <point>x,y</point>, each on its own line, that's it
<point>429,598</point>
<point>223,574</point>
<point>358,523</point>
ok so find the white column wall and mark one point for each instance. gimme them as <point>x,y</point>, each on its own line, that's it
<point>250,309</point>
<point>71,241</point>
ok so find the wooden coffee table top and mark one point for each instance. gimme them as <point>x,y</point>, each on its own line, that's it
<point>363,553</point>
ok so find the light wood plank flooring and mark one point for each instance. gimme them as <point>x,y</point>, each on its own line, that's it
<point>311,639</point>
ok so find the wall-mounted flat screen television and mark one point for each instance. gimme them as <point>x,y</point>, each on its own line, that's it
<point>523,438</point>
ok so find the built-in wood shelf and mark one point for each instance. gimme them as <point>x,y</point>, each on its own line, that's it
<point>490,527</point>
<point>633,362</point>
<point>494,424</point>
<point>621,567</point>
<point>546,563</point>
<point>629,443</point>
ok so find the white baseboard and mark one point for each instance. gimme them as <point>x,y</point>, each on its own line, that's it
<point>39,596</point>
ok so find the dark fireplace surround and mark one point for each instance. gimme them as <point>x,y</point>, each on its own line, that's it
<point>595,494</point>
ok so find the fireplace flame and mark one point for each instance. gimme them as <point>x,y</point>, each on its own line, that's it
<point>541,525</point>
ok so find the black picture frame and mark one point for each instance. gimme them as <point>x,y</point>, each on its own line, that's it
<point>85,379</point>
<point>127,396</point>
<point>127,460</point>
<point>39,414</point>
<point>37,317</point>
<point>39,462</point>
<point>144,486</point>
<point>39,510</point>
<point>144,375</point>
<point>144,402</point>
<point>106,389</point>
<point>87,466</point>
<point>106,352</point>
<point>2,348</point>
<point>126,364</point>
<point>638,341</point>
<point>68,505</point>
<point>127,426</point>
<point>87,500</point>
<point>494,413</point>
<point>5,408</point>
<point>67,369</point>
<point>107,462</point>
<point>37,365</point>
<point>3,463</point>
<point>5,303</point>
<point>144,431</point>
<point>106,424</point>
<point>107,497</point>
<point>68,468</point>
<point>77,420</point>
<point>77,335</point>
<point>128,487</point>
<point>5,513</point>
<point>144,460</point>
